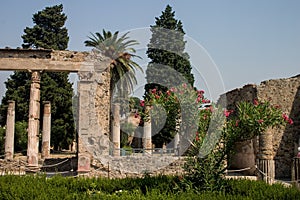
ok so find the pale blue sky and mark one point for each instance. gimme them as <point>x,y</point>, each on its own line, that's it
<point>248,40</point>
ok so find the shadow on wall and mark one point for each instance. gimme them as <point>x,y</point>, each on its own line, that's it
<point>290,137</point>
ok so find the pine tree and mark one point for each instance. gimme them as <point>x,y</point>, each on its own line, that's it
<point>166,51</point>
<point>48,32</point>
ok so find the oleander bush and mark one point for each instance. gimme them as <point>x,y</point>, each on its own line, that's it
<point>160,187</point>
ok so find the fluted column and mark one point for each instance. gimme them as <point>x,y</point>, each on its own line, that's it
<point>33,121</point>
<point>46,130</point>
<point>10,131</point>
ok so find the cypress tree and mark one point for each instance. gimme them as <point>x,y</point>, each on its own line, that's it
<point>166,51</point>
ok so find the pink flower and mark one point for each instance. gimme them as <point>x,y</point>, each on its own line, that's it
<point>173,89</point>
<point>157,96</point>
<point>136,115</point>
<point>184,85</point>
<point>142,103</point>
<point>153,91</point>
<point>200,92</point>
<point>260,121</point>
<point>255,102</point>
<point>168,93</point>
<point>290,121</point>
<point>227,112</point>
<point>237,122</point>
<point>205,101</point>
<point>285,117</point>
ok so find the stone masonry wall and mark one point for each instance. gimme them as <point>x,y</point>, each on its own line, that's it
<point>286,94</point>
<point>136,166</point>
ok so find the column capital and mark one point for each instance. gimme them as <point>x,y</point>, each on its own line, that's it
<point>36,76</point>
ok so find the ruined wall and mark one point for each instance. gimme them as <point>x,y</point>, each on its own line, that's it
<point>136,166</point>
<point>282,92</point>
<point>94,111</point>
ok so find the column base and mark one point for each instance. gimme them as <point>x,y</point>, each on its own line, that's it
<point>84,163</point>
<point>266,170</point>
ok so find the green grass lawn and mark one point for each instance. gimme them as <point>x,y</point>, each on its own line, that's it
<point>161,187</point>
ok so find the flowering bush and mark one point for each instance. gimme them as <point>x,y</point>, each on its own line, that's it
<point>247,121</point>
<point>250,120</point>
<point>171,109</point>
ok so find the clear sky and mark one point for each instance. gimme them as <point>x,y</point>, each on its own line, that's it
<point>248,40</point>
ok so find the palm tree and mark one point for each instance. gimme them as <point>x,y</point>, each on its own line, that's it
<point>120,50</point>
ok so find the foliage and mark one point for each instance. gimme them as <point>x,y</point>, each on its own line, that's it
<point>180,105</point>
<point>48,32</point>
<point>2,140</point>
<point>21,136</point>
<point>120,50</point>
<point>166,51</point>
<point>166,47</point>
<point>216,138</point>
<point>160,187</point>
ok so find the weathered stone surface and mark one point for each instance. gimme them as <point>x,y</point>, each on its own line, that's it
<point>10,131</point>
<point>46,133</point>
<point>282,143</point>
<point>136,166</point>
<point>33,122</point>
<point>116,129</point>
<point>94,111</point>
<point>41,59</point>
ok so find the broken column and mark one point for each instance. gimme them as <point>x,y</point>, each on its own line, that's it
<point>147,143</point>
<point>33,121</point>
<point>46,130</point>
<point>10,131</point>
<point>116,129</point>
<point>266,163</point>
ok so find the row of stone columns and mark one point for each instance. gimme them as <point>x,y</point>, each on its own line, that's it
<point>147,141</point>
<point>33,125</point>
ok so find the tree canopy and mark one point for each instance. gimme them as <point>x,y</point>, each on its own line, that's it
<point>166,51</point>
<point>48,32</point>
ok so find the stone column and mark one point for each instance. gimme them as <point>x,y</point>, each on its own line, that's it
<point>176,144</point>
<point>266,164</point>
<point>10,131</point>
<point>116,129</point>
<point>46,130</point>
<point>33,121</point>
<point>147,144</point>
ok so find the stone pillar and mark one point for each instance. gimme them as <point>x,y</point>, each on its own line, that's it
<point>10,131</point>
<point>33,121</point>
<point>147,144</point>
<point>176,144</point>
<point>266,164</point>
<point>116,129</point>
<point>46,130</point>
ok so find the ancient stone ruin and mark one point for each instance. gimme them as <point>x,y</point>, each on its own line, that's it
<point>99,145</point>
<point>273,152</point>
